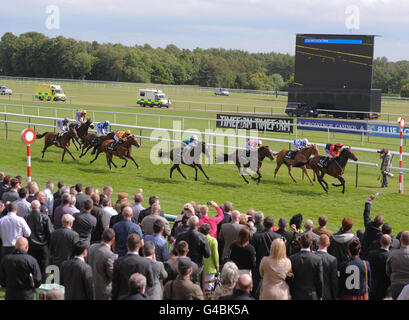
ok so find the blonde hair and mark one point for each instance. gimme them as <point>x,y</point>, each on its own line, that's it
<point>243,219</point>
<point>278,249</point>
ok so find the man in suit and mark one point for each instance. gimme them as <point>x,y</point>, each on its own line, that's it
<point>20,273</point>
<point>322,229</point>
<point>377,259</point>
<point>372,228</point>
<point>148,211</point>
<point>242,290</point>
<point>76,275</point>
<point>62,241</point>
<point>99,214</point>
<point>12,194</point>
<point>80,197</point>
<point>397,266</point>
<point>329,266</point>
<point>228,234</point>
<point>227,208</point>
<point>148,221</point>
<point>123,229</point>
<point>136,288</point>
<point>261,241</point>
<point>288,236</point>
<point>159,273</point>
<point>308,227</point>
<point>85,222</point>
<point>23,206</point>
<point>101,259</point>
<point>308,272</point>
<point>129,264</point>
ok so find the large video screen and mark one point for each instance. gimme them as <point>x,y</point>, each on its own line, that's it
<point>334,61</point>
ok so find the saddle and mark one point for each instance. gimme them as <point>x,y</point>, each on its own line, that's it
<point>323,162</point>
<point>112,146</point>
<point>291,154</point>
<point>57,140</point>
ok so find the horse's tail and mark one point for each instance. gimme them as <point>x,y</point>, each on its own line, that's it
<point>39,136</point>
<point>163,154</point>
<point>300,164</point>
<point>223,158</point>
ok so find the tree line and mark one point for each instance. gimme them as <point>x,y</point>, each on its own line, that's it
<point>33,54</point>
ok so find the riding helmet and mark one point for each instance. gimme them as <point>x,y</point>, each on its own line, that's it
<point>66,120</point>
<point>194,138</point>
<point>107,123</point>
<point>259,142</point>
<point>127,132</point>
<point>84,111</point>
<point>339,144</point>
<point>305,142</point>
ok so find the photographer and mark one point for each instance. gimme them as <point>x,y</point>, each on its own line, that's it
<point>385,155</point>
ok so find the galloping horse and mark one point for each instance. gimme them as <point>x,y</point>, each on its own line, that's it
<point>194,161</point>
<point>301,157</point>
<point>82,131</point>
<point>335,168</point>
<point>262,152</point>
<point>64,141</point>
<point>92,141</point>
<point>122,151</point>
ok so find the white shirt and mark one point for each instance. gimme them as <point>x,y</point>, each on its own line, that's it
<point>109,212</point>
<point>49,200</point>
<point>13,227</point>
<point>306,249</point>
<point>322,250</point>
<point>73,209</point>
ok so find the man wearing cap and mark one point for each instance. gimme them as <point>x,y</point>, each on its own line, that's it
<point>80,118</point>
<point>386,157</point>
<point>332,150</point>
<point>298,145</point>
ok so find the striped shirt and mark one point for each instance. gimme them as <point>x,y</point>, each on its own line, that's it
<point>13,227</point>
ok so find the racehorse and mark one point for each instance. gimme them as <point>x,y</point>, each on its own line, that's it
<point>64,141</point>
<point>194,160</point>
<point>262,152</point>
<point>93,141</point>
<point>301,156</point>
<point>335,168</point>
<point>122,151</point>
<point>82,131</point>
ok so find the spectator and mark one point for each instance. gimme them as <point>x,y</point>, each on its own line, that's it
<point>49,198</point>
<point>123,229</point>
<point>85,222</point>
<point>41,198</point>
<point>274,270</point>
<point>180,224</point>
<point>377,259</point>
<point>120,209</point>
<point>159,273</point>
<point>261,242</point>
<point>136,288</point>
<point>360,289</point>
<point>107,193</point>
<point>339,241</point>
<point>80,197</point>
<point>296,222</point>
<point>137,207</point>
<point>12,227</point>
<point>228,234</point>
<point>198,246</point>
<point>258,218</point>
<point>360,234</point>
<point>147,211</point>
<point>308,227</point>
<point>211,264</point>
<point>72,206</point>
<point>62,241</point>
<point>5,185</point>
<point>32,190</point>
<point>386,229</point>
<point>182,288</point>
<point>148,221</point>
<point>288,236</point>
<point>76,275</point>
<point>20,273</point>
<point>12,194</point>
<point>329,266</point>
<point>322,229</point>
<point>397,266</point>
<point>41,229</point>
<point>307,269</point>
<point>23,206</point>
<point>242,290</point>
<point>99,214</point>
<point>101,260</point>
<point>242,253</point>
<point>57,195</point>
<point>372,228</point>
<point>20,181</point>
<point>2,212</point>
<point>227,211</point>
<point>161,246</point>
<point>228,279</point>
<point>62,209</point>
<point>108,210</point>
<point>404,295</point>
<point>129,264</point>
<point>171,265</point>
<point>54,294</point>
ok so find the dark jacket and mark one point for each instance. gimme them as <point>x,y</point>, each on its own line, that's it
<point>308,276</point>
<point>80,199</point>
<point>84,224</point>
<point>261,241</point>
<point>288,236</point>
<point>76,277</point>
<point>339,245</point>
<point>99,214</point>
<point>126,266</point>
<point>238,295</point>
<point>198,246</point>
<point>40,226</point>
<point>372,232</point>
<point>15,270</point>
<point>380,281</point>
<point>330,275</point>
<point>363,274</point>
<point>147,212</point>
<point>136,296</point>
<point>171,267</point>
<point>61,243</point>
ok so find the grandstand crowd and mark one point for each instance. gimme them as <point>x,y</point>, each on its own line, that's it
<point>126,249</point>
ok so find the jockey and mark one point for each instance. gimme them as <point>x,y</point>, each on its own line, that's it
<point>120,137</point>
<point>80,117</point>
<point>332,150</point>
<point>62,126</point>
<point>253,145</point>
<point>300,144</point>
<point>188,143</point>
<point>102,128</point>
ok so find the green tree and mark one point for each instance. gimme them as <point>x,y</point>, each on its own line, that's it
<point>404,92</point>
<point>83,63</point>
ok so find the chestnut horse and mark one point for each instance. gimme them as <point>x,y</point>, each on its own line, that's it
<point>193,161</point>
<point>236,156</point>
<point>122,151</point>
<point>301,157</point>
<point>335,168</point>
<point>93,141</point>
<point>82,131</point>
<point>64,141</point>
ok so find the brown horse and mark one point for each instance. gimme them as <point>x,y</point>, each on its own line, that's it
<point>82,131</point>
<point>237,155</point>
<point>122,151</point>
<point>335,168</point>
<point>301,157</point>
<point>64,141</point>
<point>193,160</point>
<point>92,141</point>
